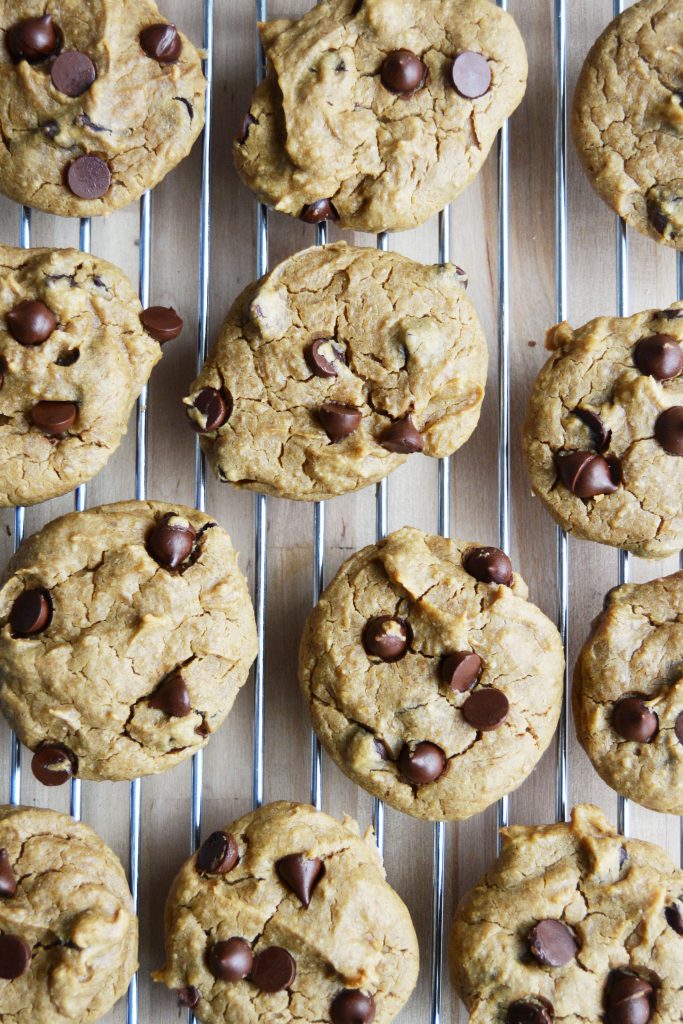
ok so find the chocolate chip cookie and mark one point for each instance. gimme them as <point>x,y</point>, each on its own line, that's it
<point>604,432</point>
<point>334,368</point>
<point>126,632</point>
<point>572,923</point>
<point>76,349</point>
<point>628,118</point>
<point>98,102</point>
<point>628,693</point>
<point>68,931</point>
<point>432,681</point>
<point>286,915</point>
<point>377,113</point>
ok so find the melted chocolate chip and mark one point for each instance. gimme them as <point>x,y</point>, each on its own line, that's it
<point>31,613</point>
<point>33,39</point>
<point>171,541</point>
<point>425,763</point>
<point>230,960</point>
<point>189,997</point>
<point>319,211</point>
<point>486,710</point>
<point>31,322</point>
<point>162,322</point>
<point>188,106</point>
<point>488,565</point>
<point>323,357</point>
<point>352,1007</point>
<point>73,73</point>
<point>552,943</point>
<point>403,437</point>
<point>471,74</point>
<point>243,130</point>
<point>674,917</point>
<point>300,874</point>
<point>218,854</point>
<point>338,420</point>
<point>403,73</point>
<point>387,637</point>
<point>8,882</point>
<point>162,43</point>
<point>633,720</point>
<point>274,970</point>
<point>172,697</point>
<point>54,764</point>
<point>659,356</point>
<point>460,670</point>
<point>601,435</point>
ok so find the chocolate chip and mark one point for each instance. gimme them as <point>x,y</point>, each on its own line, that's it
<point>8,883</point>
<point>425,763</point>
<point>657,217</point>
<point>630,1000</point>
<point>669,430</point>
<point>471,74</point>
<point>323,356</point>
<point>33,39</point>
<point>300,874</point>
<point>678,727</point>
<point>672,314</point>
<point>218,854</point>
<point>486,710</point>
<point>243,130</point>
<point>209,410</point>
<point>171,541</point>
<point>633,720</point>
<point>403,72</point>
<point>54,418</point>
<point>31,613</point>
<point>50,129</point>
<point>352,1007</point>
<point>172,697</point>
<point>460,670</point>
<point>189,997</point>
<point>162,43</point>
<point>623,856</point>
<point>319,211</point>
<point>68,357</point>
<point>403,437</point>
<point>31,322</point>
<point>162,322</point>
<point>528,1013</point>
<point>230,960</point>
<point>188,106</point>
<point>659,356</point>
<point>54,764</point>
<point>387,637</point>
<point>87,123</point>
<point>382,749</point>
<point>338,420</point>
<point>585,474</point>
<point>73,73</point>
<point>89,177</point>
<point>552,943</point>
<point>15,957</point>
<point>601,435</point>
<point>488,565</point>
<point>274,970</point>
<point>674,917</point>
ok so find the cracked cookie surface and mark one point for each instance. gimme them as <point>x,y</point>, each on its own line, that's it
<point>601,435</point>
<point>432,689</point>
<point>325,127</point>
<point>82,346</point>
<point>628,118</point>
<point>65,901</point>
<point>617,903</point>
<point>337,365</point>
<point>133,123</point>
<point>628,693</point>
<point>299,882</point>
<point>126,632</point>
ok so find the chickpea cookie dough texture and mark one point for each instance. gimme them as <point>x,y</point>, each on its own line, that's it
<point>628,693</point>
<point>126,632</point>
<point>604,431</point>
<point>68,933</point>
<point>573,924</point>
<point>98,102</point>
<point>248,935</point>
<point>378,113</point>
<point>432,681</point>
<point>74,356</point>
<point>628,118</point>
<point>334,368</point>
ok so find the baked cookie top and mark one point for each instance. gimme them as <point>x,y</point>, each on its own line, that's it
<point>335,367</point>
<point>68,932</point>
<point>379,113</point>
<point>98,102</point>
<point>628,693</point>
<point>74,356</point>
<point>604,431</point>
<point>248,925</point>
<point>432,681</point>
<point>126,632</point>
<point>572,923</point>
<point>628,118</point>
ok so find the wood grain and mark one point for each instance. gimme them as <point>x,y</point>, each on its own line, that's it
<point>350,520</point>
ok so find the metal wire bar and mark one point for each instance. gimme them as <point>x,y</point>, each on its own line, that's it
<point>679,292</point>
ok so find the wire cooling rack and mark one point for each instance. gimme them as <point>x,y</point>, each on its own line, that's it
<point>442,502</point>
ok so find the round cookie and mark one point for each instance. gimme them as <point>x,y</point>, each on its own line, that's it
<point>603,437</point>
<point>334,368</point>
<point>68,931</point>
<point>126,632</point>
<point>98,102</point>
<point>628,118</point>
<point>432,681</point>
<point>286,915</point>
<point>572,923</point>
<point>378,113</point>
<point>628,693</point>
<point>74,356</point>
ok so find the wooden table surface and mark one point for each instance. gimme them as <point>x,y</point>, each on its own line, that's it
<point>351,520</point>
